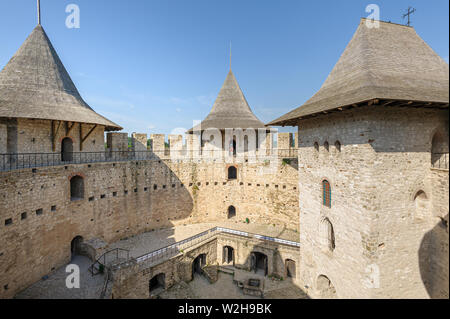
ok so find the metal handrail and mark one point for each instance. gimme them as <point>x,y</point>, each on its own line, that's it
<point>174,249</point>
<point>14,161</point>
<point>440,160</point>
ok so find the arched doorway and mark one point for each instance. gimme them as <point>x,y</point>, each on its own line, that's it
<point>232,172</point>
<point>231,212</point>
<point>290,268</point>
<point>157,284</point>
<point>67,150</point>
<point>325,288</point>
<point>228,255</point>
<point>75,246</point>
<point>422,205</point>
<point>198,264</point>
<point>259,263</point>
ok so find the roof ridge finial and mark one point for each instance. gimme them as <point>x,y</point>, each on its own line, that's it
<point>39,11</point>
<point>230,55</point>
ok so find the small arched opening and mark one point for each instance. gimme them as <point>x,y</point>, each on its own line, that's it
<point>439,150</point>
<point>231,212</point>
<point>232,173</point>
<point>290,268</point>
<point>422,205</point>
<point>157,284</point>
<point>75,246</point>
<point>76,188</point>
<point>259,263</point>
<point>67,150</point>
<point>338,146</point>
<point>228,255</point>
<point>326,145</point>
<point>325,288</point>
<point>198,264</point>
<point>326,233</point>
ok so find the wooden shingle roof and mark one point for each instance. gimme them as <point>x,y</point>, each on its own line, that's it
<point>35,85</point>
<point>230,109</point>
<point>387,63</point>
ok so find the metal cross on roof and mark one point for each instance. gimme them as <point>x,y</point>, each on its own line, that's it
<point>39,11</point>
<point>411,10</point>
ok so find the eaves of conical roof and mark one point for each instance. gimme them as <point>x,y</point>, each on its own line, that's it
<point>35,85</point>
<point>390,62</point>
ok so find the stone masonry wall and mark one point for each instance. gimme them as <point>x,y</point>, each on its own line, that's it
<point>384,160</point>
<point>121,199</point>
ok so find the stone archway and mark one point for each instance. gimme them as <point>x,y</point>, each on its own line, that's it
<point>325,288</point>
<point>228,255</point>
<point>75,246</point>
<point>259,263</point>
<point>198,264</point>
<point>290,268</point>
<point>157,283</point>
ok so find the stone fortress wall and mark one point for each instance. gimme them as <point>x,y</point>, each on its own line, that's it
<point>389,205</point>
<point>125,197</point>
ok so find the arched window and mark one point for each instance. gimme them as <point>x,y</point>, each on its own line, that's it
<point>76,188</point>
<point>326,193</point>
<point>422,205</point>
<point>439,151</point>
<point>246,143</point>
<point>231,212</point>
<point>228,255</point>
<point>67,150</point>
<point>316,146</point>
<point>327,146</point>
<point>326,233</point>
<point>337,144</point>
<point>232,172</point>
<point>290,268</point>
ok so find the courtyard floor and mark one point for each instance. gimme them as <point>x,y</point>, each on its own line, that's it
<point>54,286</point>
<point>226,288</point>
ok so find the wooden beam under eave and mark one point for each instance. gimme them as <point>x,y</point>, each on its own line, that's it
<point>69,128</point>
<point>83,139</point>
<point>55,132</point>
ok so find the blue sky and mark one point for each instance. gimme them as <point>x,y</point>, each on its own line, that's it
<point>155,66</point>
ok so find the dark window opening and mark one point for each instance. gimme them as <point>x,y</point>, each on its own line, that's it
<point>231,212</point>
<point>259,263</point>
<point>232,172</point>
<point>157,283</point>
<point>23,216</point>
<point>76,188</point>
<point>39,211</point>
<point>8,222</point>
<point>228,255</point>
<point>66,150</point>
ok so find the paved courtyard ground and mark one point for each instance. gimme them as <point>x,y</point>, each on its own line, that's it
<point>54,287</point>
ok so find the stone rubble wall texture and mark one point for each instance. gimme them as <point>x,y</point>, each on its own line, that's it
<point>35,136</point>
<point>385,159</point>
<point>133,281</point>
<point>122,199</point>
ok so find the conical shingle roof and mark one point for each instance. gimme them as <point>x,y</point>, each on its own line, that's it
<point>35,85</point>
<point>390,62</point>
<point>230,110</point>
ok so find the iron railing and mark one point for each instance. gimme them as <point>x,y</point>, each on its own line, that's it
<point>9,162</point>
<point>439,160</point>
<point>174,249</point>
